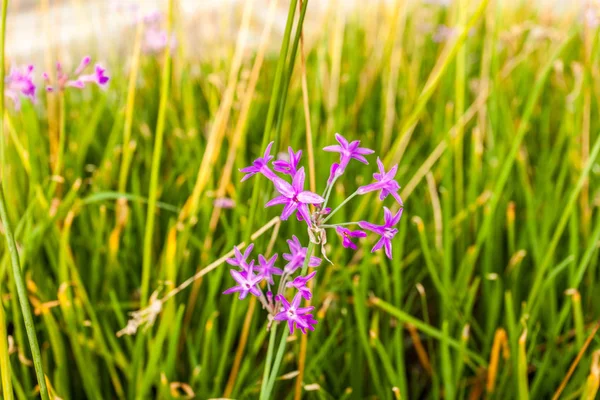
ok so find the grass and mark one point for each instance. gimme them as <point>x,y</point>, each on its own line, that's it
<point>493,288</point>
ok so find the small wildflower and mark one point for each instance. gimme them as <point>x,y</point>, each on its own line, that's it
<point>300,284</point>
<point>247,283</point>
<point>347,236</point>
<point>385,183</point>
<point>266,268</point>
<point>20,83</point>
<point>386,231</point>
<point>261,165</point>
<point>295,315</point>
<point>294,197</point>
<point>79,80</point>
<point>347,152</point>
<point>289,166</point>
<point>156,39</point>
<point>297,255</point>
<point>240,260</point>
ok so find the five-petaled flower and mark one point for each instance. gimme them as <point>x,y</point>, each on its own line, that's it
<point>347,150</point>
<point>247,282</point>
<point>297,255</point>
<point>266,268</point>
<point>386,231</point>
<point>20,83</point>
<point>288,167</point>
<point>300,284</point>
<point>385,183</point>
<point>79,80</point>
<point>294,197</point>
<point>347,236</point>
<point>261,165</point>
<point>294,314</point>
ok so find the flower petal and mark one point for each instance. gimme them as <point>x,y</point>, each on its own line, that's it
<point>308,197</point>
<point>298,182</point>
<point>277,200</point>
<point>333,149</point>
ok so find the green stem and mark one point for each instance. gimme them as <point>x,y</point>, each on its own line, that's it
<point>265,392</point>
<point>62,140</point>
<point>273,103</point>
<point>21,291</point>
<point>340,206</point>
<point>265,379</point>
<point>156,155</point>
<point>336,225</point>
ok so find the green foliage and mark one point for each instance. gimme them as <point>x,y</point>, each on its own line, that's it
<point>496,135</point>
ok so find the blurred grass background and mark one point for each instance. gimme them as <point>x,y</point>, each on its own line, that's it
<point>491,113</point>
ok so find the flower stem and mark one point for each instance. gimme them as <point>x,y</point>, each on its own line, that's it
<point>22,294</point>
<point>328,190</point>
<point>340,206</point>
<point>155,168</point>
<point>268,361</point>
<point>269,378</point>
<point>335,225</point>
<point>62,140</point>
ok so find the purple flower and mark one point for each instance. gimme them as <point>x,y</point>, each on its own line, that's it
<point>347,151</point>
<point>386,231</point>
<point>347,236</point>
<point>300,284</point>
<point>290,166</point>
<point>261,165</point>
<point>385,183</point>
<point>266,268</point>
<point>240,260</point>
<point>294,197</point>
<point>79,80</point>
<point>295,315</point>
<point>20,83</point>
<point>297,255</point>
<point>247,282</point>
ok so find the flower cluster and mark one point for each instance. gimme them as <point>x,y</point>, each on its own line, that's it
<point>288,179</point>
<point>250,275</point>
<point>20,81</point>
<point>78,79</point>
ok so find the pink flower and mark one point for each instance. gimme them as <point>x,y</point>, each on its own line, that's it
<point>384,182</point>
<point>347,236</point>
<point>20,83</point>
<point>297,255</point>
<point>266,268</point>
<point>241,260</point>
<point>347,150</point>
<point>247,282</point>
<point>294,197</point>
<point>300,284</point>
<point>79,80</point>
<point>295,315</point>
<point>290,166</point>
<point>261,165</point>
<point>386,231</point>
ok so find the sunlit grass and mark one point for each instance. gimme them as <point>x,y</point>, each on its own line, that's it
<point>493,289</point>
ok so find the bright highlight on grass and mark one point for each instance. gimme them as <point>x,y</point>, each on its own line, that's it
<point>400,201</point>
